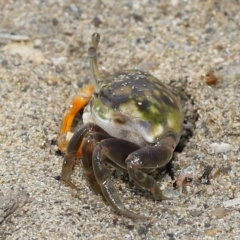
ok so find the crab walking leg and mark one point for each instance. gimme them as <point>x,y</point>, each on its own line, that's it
<point>73,146</point>
<point>115,150</point>
<point>149,158</point>
<point>77,104</point>
<point>88,145</point>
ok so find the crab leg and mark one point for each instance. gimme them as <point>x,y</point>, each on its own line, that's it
<point>88,145</point>
<point>108,150</point>
<point>72,148</point>
<point>138,160</point>
<point>148,158</point>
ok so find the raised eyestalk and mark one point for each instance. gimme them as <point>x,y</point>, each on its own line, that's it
<point>92,54</point>
<point>95,39</point>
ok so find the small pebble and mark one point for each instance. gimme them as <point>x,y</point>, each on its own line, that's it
<point>209,190</point>
<point>220,212</point>
<point>211,232</point>
<point>220,147</point>
<point>196,213</point>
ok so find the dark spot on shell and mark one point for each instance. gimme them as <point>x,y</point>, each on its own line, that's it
<point>165,99</point>
<point>144,105</point>
<point>120,120</point>
<point>113,100</point>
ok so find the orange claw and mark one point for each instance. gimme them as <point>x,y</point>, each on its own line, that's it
<point>77,104</point>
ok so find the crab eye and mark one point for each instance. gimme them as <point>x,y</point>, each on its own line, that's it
<point>95,39</point>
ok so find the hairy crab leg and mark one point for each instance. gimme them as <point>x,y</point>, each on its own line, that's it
<point>115,150</point>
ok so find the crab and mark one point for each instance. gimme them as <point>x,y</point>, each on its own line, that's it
<point>131,121</point>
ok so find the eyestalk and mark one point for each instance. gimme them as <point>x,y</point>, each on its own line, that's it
<point>92,54</point>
